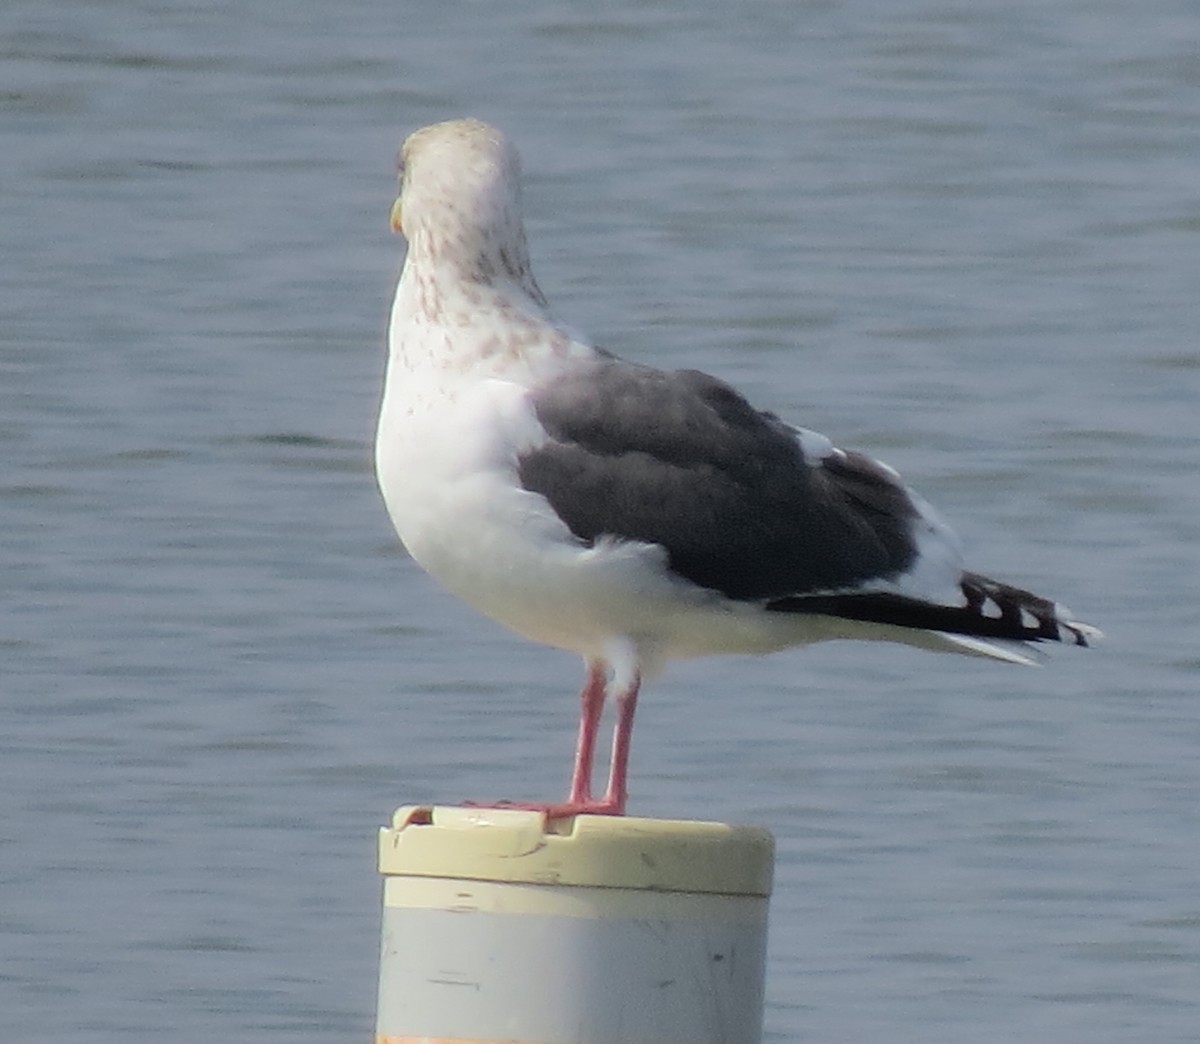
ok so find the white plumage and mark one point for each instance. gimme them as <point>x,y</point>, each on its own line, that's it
<point>630,515</point>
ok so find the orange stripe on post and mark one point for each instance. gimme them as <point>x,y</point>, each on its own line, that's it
<point>386,1038</point>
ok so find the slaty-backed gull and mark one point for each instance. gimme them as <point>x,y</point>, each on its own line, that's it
<point>631,515</point>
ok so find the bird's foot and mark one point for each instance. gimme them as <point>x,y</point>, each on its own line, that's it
<point>557,810</point>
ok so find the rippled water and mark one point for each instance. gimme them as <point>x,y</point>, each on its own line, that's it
<point>963,236</point>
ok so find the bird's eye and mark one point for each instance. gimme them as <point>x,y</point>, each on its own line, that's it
<point>400,166</point>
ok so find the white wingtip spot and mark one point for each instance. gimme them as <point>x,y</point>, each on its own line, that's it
<point>815,446</point>
<point>1085,634</point>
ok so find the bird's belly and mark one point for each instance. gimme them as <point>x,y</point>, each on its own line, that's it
<point>504,552</point>
<point>454,495</point>
<point>507,556</point>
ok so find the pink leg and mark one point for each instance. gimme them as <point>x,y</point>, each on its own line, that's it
<point>591,700</point>
<point>580,801</point>
<point>618,791</point>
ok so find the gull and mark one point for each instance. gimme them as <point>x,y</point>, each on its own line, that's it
<point>633,515</point>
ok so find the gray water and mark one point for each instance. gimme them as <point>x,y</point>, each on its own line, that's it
<point>964,236</point>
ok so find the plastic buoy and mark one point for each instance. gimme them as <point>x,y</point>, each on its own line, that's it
<point>502,928</point>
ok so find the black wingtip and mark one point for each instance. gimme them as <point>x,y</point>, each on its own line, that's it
<point>990,610</point>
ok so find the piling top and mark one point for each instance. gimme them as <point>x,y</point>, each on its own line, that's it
<point>518,846</point>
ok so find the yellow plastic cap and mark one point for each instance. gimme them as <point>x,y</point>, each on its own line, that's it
<point>518,846</point>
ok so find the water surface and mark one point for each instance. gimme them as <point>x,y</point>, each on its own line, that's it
<point>961,236</point>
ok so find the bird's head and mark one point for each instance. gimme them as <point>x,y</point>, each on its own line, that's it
<point>460,198</point>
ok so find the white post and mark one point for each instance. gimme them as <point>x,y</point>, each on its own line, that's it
<point>501,927</point>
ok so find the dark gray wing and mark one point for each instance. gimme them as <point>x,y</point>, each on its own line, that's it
<point>680,459</point>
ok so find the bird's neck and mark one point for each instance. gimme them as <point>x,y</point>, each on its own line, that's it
<point>453,319</point>
<point>476,258</point>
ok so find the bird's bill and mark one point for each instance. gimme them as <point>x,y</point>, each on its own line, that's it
<point>397,216</point>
